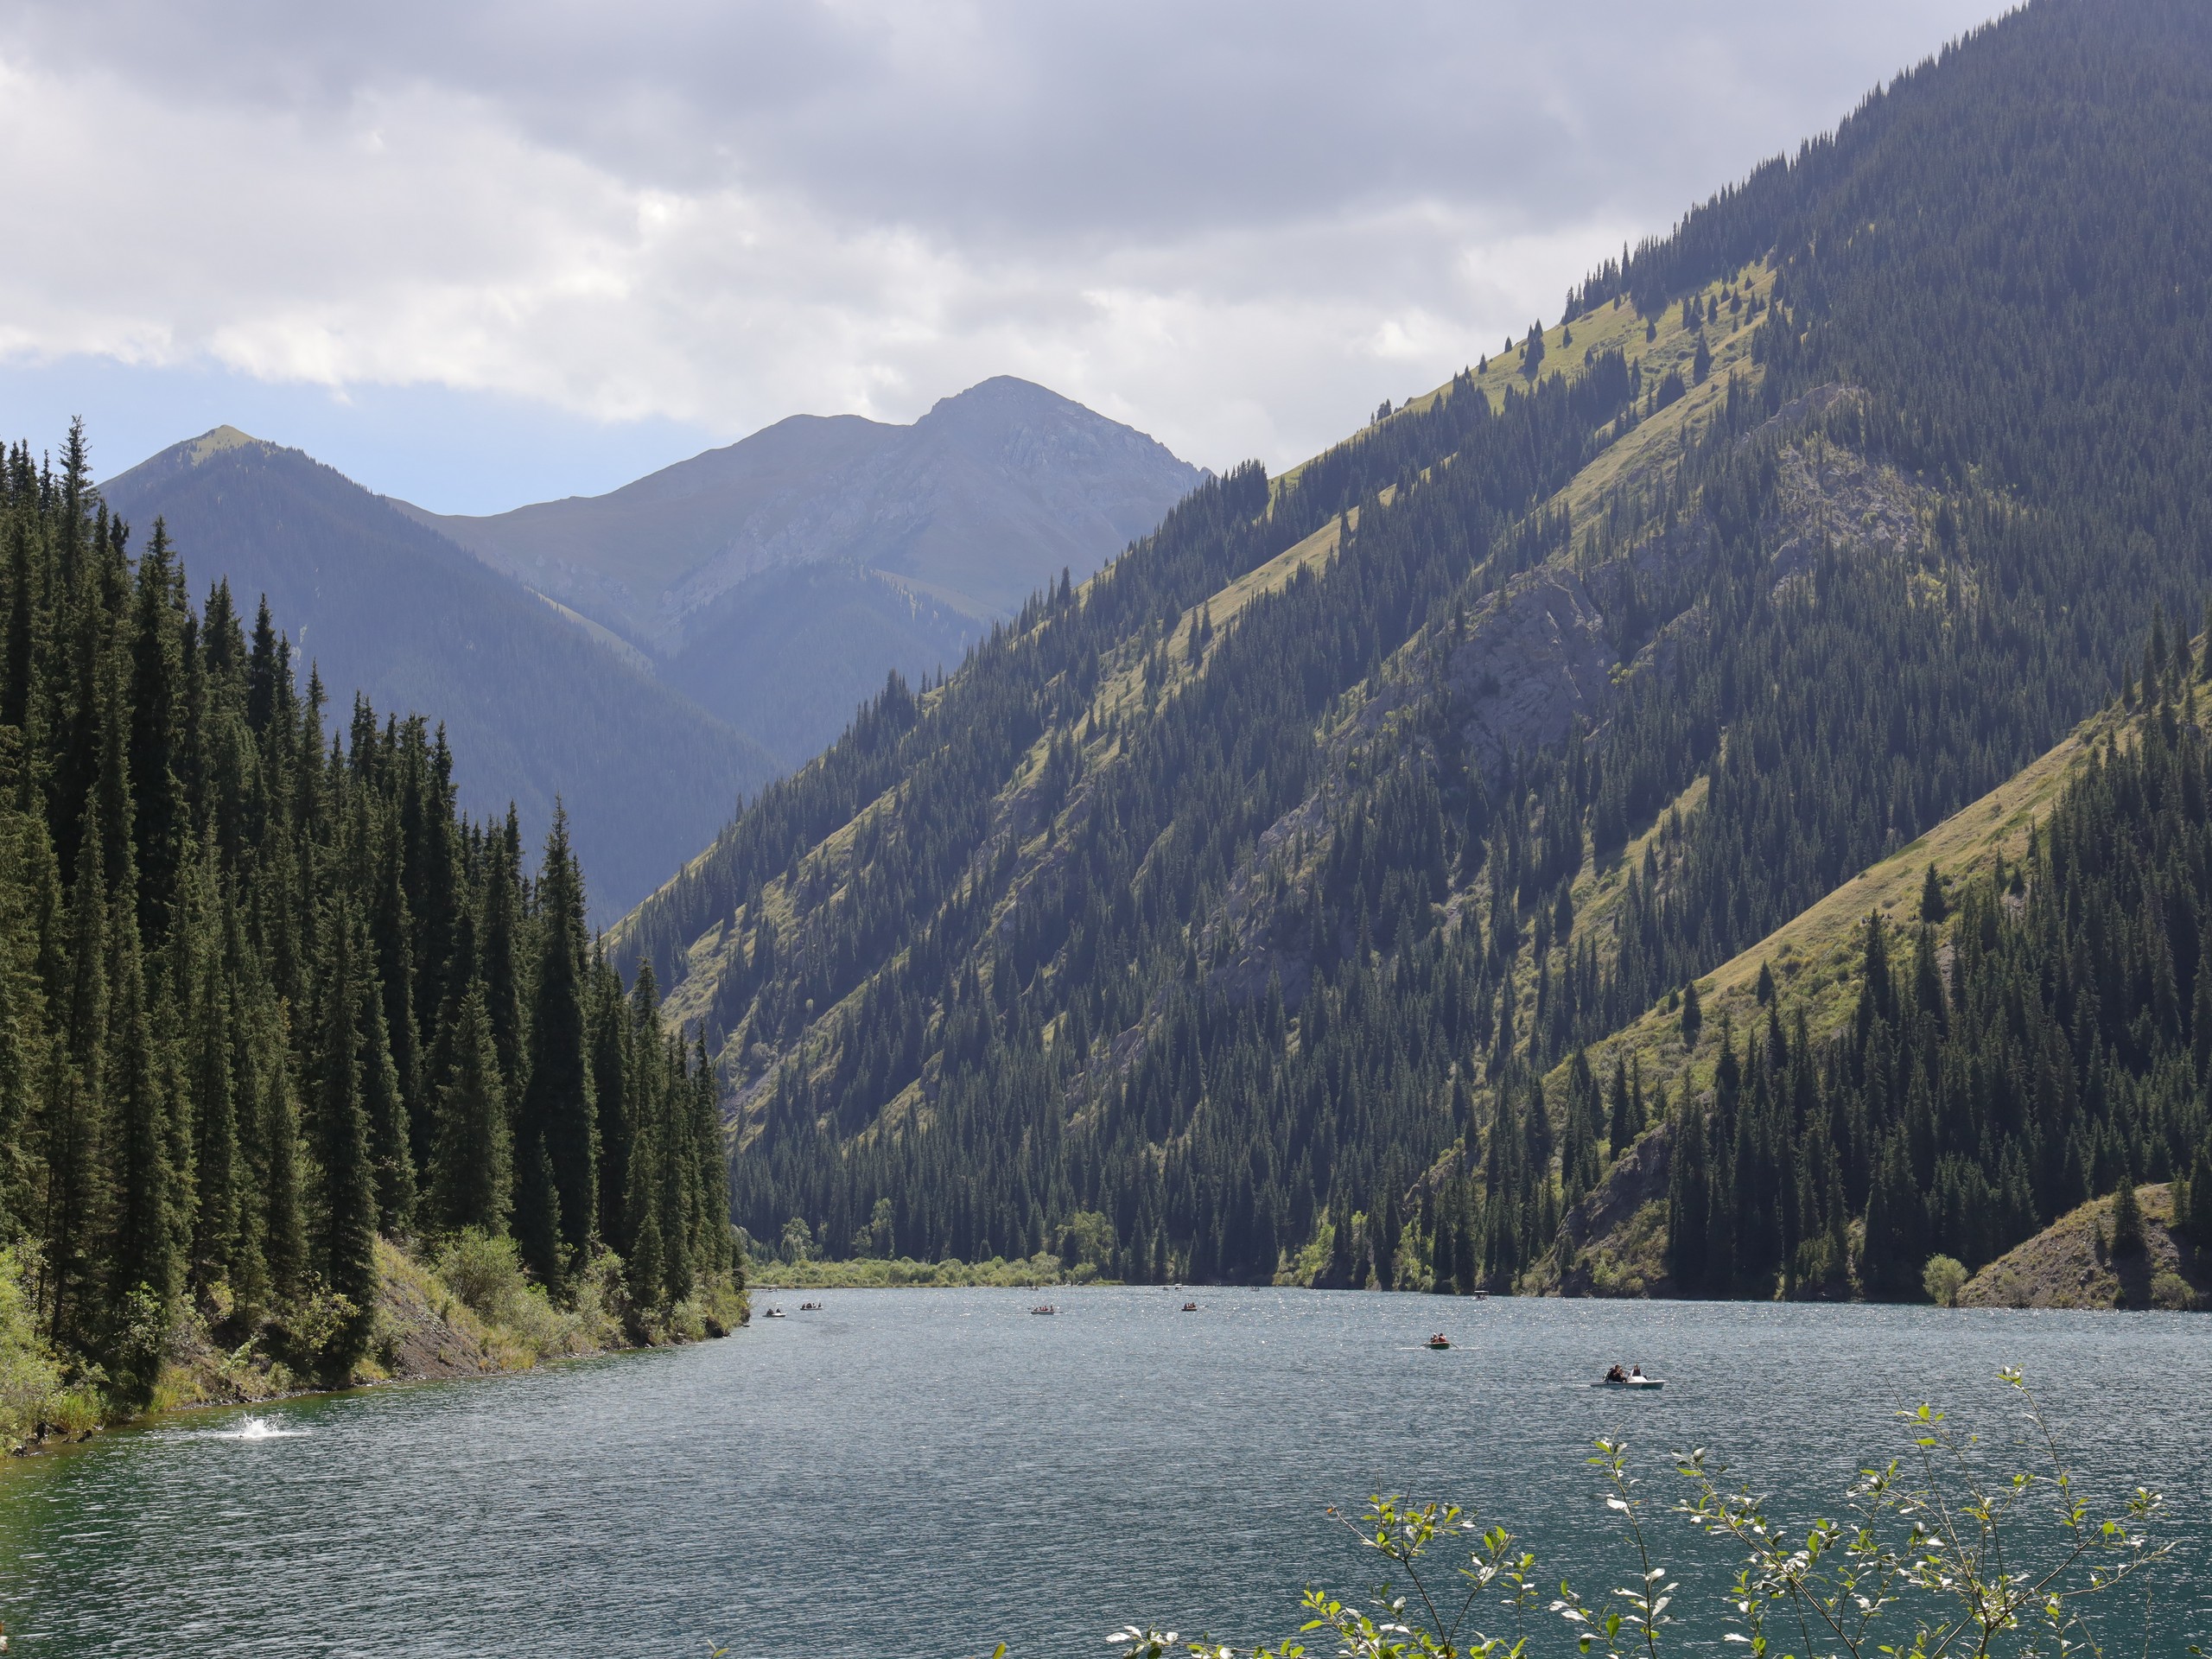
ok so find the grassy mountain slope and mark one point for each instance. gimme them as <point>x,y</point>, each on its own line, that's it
<point>384,607</point>
<point>1614,1243</point>
<point>2067,1004</point>
<point>1249,944</point>
<point>1813,957</point>
<point>2072,1264</point>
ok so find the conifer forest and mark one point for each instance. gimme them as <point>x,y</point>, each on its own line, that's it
<point>264,996</point>
<point>1653,892</point>
<point>1253,912</point>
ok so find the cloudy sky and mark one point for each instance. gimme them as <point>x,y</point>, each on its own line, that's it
<point>477,254</point>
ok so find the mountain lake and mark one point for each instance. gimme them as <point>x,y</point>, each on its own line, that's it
<point>934,1471</point>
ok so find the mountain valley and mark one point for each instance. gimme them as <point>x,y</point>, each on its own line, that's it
<point>1261,909</point>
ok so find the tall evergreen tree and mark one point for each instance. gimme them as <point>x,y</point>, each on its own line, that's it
<point>346,1213</point>
<point>475,1156</point>
<point>558,1115</point>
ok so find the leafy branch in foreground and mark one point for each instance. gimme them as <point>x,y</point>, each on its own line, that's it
<point>1933,1555</point>
<point>1960,1550</point>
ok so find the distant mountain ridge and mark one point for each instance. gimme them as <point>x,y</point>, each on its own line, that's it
<point>777,579</point>
<point>651,654</point>
<point>381,605</point>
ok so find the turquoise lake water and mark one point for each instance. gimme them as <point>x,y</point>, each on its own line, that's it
<point>928,1473</point>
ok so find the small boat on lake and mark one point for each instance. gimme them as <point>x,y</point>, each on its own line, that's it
<point>1190,1307</point>
<point>1633,1378</point>
<point>1044,1307</point>
<point>809,1307</point>
<point>776,1313</point>
<point>1440,1340</point>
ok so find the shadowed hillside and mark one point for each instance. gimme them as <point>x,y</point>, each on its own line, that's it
<point>779,579</point>
<point>1242,904</point>
<point>384,607</point>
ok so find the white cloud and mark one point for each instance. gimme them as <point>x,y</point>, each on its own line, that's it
<point>1236,226</point>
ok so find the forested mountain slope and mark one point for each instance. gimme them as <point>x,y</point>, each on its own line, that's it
<point>1963,1047</point>
<point>1224,917</point>
<point>266,994</point>
<point>387,608</point>
<point>776,580</point>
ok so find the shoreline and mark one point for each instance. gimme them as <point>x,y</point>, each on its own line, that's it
<point>48,1445</point>
<point>426,1331</point>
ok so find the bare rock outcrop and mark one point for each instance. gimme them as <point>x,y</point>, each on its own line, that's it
<point>1613,1243</point>
<point>1536,659</point>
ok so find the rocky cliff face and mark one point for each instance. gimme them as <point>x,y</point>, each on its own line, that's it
<point>1614,1243</point>
<point>1534,660</point>
<point>1540,655</point>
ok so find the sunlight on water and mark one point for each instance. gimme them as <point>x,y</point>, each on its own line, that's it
<point>842,1481</point>
<point>253,1428</point>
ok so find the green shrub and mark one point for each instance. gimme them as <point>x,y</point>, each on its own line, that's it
<point>319,1333</point>
<point>2172,1291</point>
<point>485,1271</point>
<point>30,1382</point>
<point>1943,1278</point>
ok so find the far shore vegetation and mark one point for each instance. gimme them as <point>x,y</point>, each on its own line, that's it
<point>1041,1269</point>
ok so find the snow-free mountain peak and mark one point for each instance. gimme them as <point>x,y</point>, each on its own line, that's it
<point>383,606</point>
<point>779,578</point>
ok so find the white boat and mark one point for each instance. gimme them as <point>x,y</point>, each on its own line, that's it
<point>777,1313</point>
<point>1628,1383</point>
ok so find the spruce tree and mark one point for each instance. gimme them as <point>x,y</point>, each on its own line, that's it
<point>646,1268</point>
<point>75,1123</point>
<point>475,1153</point>
<point>385,1111</point>
<point>347,1215</point>
<point>2194,1217</point>
<point>218,1181</point>
<point>284,1240</point>
<point>676,1197</point>
<point>537,1210</point>
<point>614,1067</point>
<point>500,928</point>
<point>2127,1217</point>
<point>1933,907</point>
<point>712,1249</point>
<point>1689,1197</point>
<point>143,1253</point>
<point>557,1115</point>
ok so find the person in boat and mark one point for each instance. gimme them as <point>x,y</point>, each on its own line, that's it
<point>1636,1373</point>
<point>1616,1375</point>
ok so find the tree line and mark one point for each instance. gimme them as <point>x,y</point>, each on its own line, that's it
<point>265,994</point>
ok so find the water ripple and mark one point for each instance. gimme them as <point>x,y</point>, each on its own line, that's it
<point>931,1471</point>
